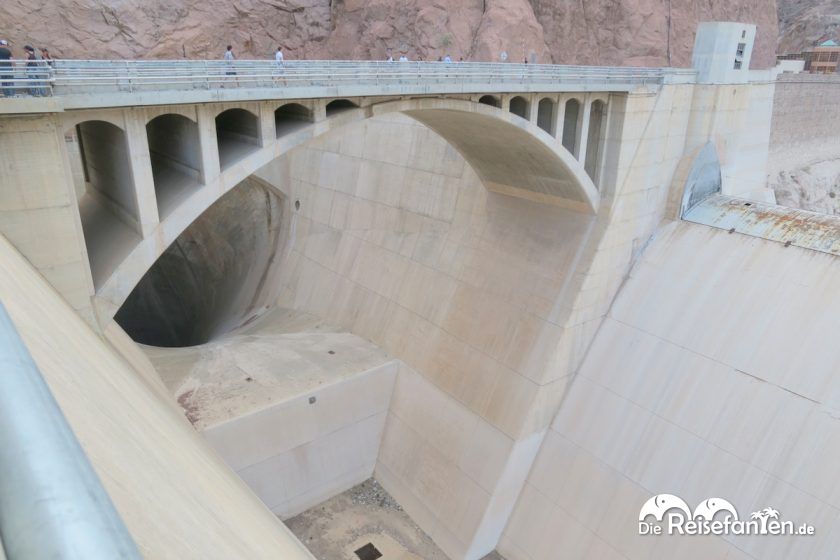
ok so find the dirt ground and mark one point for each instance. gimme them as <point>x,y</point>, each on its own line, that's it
<point>368,520</point>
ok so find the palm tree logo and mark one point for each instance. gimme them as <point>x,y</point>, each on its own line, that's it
<point>763,515</point>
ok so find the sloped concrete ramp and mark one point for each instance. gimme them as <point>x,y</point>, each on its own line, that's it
<point>713,376</point>
<point>175,495</point>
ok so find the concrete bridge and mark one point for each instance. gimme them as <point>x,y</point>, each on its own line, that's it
<point>465,227</point>
<point>158,143</point>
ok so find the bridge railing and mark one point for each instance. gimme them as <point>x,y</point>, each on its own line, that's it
<point>25,77</point>
<point>52,503</point>
<point>109,76</point>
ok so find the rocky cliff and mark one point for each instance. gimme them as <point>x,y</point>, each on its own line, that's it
<point>804,22</point>
<point>609,32</point>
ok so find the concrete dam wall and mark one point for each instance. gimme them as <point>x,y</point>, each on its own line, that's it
<point>442,293</point>
<point>714,371</point>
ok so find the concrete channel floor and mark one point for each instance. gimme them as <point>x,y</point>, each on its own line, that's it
<point>281,355</point>
<point>368,520</point>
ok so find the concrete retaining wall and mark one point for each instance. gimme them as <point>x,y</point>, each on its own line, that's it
<point>805,115</point>
<point>304,450</point>
<point>804,165</point>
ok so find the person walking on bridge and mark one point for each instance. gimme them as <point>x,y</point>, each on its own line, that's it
<point>33,61</point>
<point>6,65</point>
<point>229,58</point>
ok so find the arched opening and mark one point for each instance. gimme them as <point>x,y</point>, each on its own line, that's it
<point>545,115</point>
<point>238,135</point>
<point>525,165</point>
<point>339,106</point>
<point>519,106</point>
<point>214,276</point>
<point>491,100</point>
<point>704,179</point>
<point>291,117</point>
<point>570,125</point>
<point>106,195</point>
<point>595,138</point>
<point>175,153</point>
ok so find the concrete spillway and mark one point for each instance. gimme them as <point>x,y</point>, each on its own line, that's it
<point>460,321</point>
<point>714,375</point>
<point>214,276</point>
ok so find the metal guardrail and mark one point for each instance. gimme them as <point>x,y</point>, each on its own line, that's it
<point>72,77</point>
<point>52,505</point>
<point>25,77</point>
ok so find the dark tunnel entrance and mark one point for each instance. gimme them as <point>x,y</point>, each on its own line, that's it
<point>214,277</point>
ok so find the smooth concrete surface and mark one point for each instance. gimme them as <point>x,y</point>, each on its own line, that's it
<point>108,238</point>
<point>174,494</point>
<point>489,300</point>
<point>737,120</point>
<point>712,376</point>
<point>294,406</point>
<point>723,51</point>
<point>38,212</point>
<point>108,168</point>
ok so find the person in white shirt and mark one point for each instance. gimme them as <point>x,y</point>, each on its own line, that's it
<point>403,58</point>
<point>447,59</point>
<point>278,56</point>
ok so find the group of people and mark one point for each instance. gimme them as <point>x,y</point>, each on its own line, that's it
<point>34,70</point>
<point>404,58</point>
<point>230,57</point>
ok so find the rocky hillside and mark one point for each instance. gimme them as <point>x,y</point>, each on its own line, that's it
<point>614,32</point>
<point>802,22</point>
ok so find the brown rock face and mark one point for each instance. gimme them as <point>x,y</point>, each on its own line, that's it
<point>804,22</point>
<point>603,32</point>
<point>636,32</point>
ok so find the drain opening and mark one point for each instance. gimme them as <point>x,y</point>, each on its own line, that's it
<point>368,552</point>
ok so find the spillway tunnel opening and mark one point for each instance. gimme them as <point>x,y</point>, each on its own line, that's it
<point>215,276</point>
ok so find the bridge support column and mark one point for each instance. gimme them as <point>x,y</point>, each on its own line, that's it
<point>583,129</point>
<point>504,102</point>
<point>267,132</point>
<point>209,145</point>
<point>559,117</point>
<point>533,104</point>
<point>141,171</point>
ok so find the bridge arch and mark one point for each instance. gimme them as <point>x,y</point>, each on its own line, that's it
<point>237,135</point>
<point>491,100</point>
<point>109,208</point>
<point>571,125</point>
<point>291,117</point>
<point>175,156</point>
<point>510,156</point>
<point>337,106</point>
<point>546,109</point>
<point>520,106</point>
